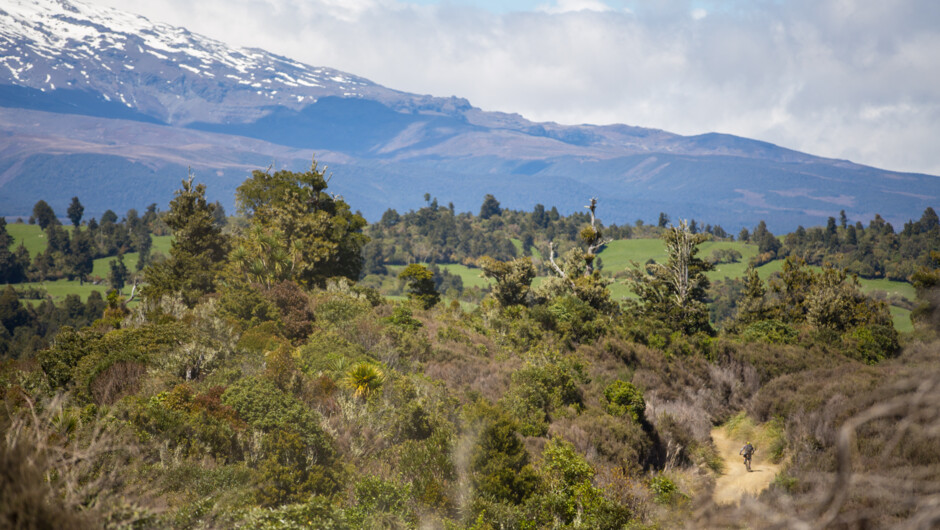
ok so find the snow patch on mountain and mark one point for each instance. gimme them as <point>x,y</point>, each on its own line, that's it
<point>42,42</point>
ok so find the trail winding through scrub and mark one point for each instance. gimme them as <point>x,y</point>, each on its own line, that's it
<point>736,481</point>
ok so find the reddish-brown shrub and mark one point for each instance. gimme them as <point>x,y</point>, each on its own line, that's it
<point>116,381</point>
<point>294,305</point>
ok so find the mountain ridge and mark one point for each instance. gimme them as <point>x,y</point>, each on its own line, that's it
<point>123,76</point>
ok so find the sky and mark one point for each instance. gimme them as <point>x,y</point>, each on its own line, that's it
<point>848,79</point>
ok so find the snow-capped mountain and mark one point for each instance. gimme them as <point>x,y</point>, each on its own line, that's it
<point>159,70</point>
<point>93,98</point>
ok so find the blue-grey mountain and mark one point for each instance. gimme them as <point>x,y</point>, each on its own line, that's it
<point>113,108</point>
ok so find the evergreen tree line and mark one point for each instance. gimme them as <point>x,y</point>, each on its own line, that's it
<point>26,329</point>
<point>875,251</point>
<point>438,234</point>
<point>71,253</point>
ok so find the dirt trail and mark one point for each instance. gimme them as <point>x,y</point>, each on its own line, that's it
<point>736,481</point>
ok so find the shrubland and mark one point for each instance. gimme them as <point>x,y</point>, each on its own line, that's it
<point>263,382</point>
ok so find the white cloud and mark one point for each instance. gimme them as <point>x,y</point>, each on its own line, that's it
<point>569,6</point>
<point>838,78</point>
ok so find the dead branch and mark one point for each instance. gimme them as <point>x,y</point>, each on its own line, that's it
<point>551,259</point>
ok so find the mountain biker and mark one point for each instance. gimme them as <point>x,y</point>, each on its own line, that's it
<point>748,450</point>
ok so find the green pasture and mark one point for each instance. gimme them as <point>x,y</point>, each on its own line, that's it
<point>902,319</point>
<point>519,251</point>
<point>161,244</point>
<point>470,276</point>
<point>617,255</point>
<point>29,235</point>
<point>35,242</point>
<point>902,289</point>
<point>59,289</point>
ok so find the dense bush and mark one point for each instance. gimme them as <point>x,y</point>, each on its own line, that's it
<point>625,398</point>
<point>547,382</point>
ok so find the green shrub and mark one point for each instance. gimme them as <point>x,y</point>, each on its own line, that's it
<point>316,512</point>
<point>403,319</point>
<point>625,398</point>
<point>288,473</point>
<point>80,357</point>
<point>872,343</point>
<point>326,351</point>
<point>771,331</point>
<point>568,497</point>
<point>193,424</point>
<point>376,496</point>
<point>499,463</point>
<point>664,489</point>
<point>547,382</point>
<point>261,404</point>
<point>261,338</point>
<point>298,457</point>
<point>247,305</point>
<point>338,308</point>
<point>428,465</point>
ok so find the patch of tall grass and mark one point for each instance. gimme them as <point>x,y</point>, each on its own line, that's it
<point>768,438</point>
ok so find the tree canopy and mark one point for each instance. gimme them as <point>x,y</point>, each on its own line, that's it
<point>298,231</point>
<point>198,250</point>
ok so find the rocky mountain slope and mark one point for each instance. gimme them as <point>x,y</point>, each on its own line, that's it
<point>113,108</point>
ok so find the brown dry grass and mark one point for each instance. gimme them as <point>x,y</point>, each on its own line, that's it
<point>56,472</point>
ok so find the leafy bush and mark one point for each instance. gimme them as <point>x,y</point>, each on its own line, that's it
<point>664,489</point>
<point>499,463</point>
<point>288,473</point>
<point>403,318</point>
<point>377,498</point>
<point>872,344</point>
<point>625,398</point>
<point>569,499</point>
<point>770,331</point>
<point>247,305</point>
<point>261,338</point>
<point>294,307</point>
<point>428,465</point>
<point>193,424</point>
<point>316,512</point>
<point>547,382</point>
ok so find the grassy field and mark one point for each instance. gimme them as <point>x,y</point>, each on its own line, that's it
<point>471,277</point>
<point>519,252</point>
<point>35,242</point>
<point>617,255</point>
<point>29,235</point>
<point>902,319</point>
<point>59,289</point>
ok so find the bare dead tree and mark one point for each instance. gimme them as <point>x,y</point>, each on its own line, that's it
<point>592,237</point>
<point>558,270</point>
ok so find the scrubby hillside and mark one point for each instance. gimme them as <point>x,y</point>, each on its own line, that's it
<point>259,384</point>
